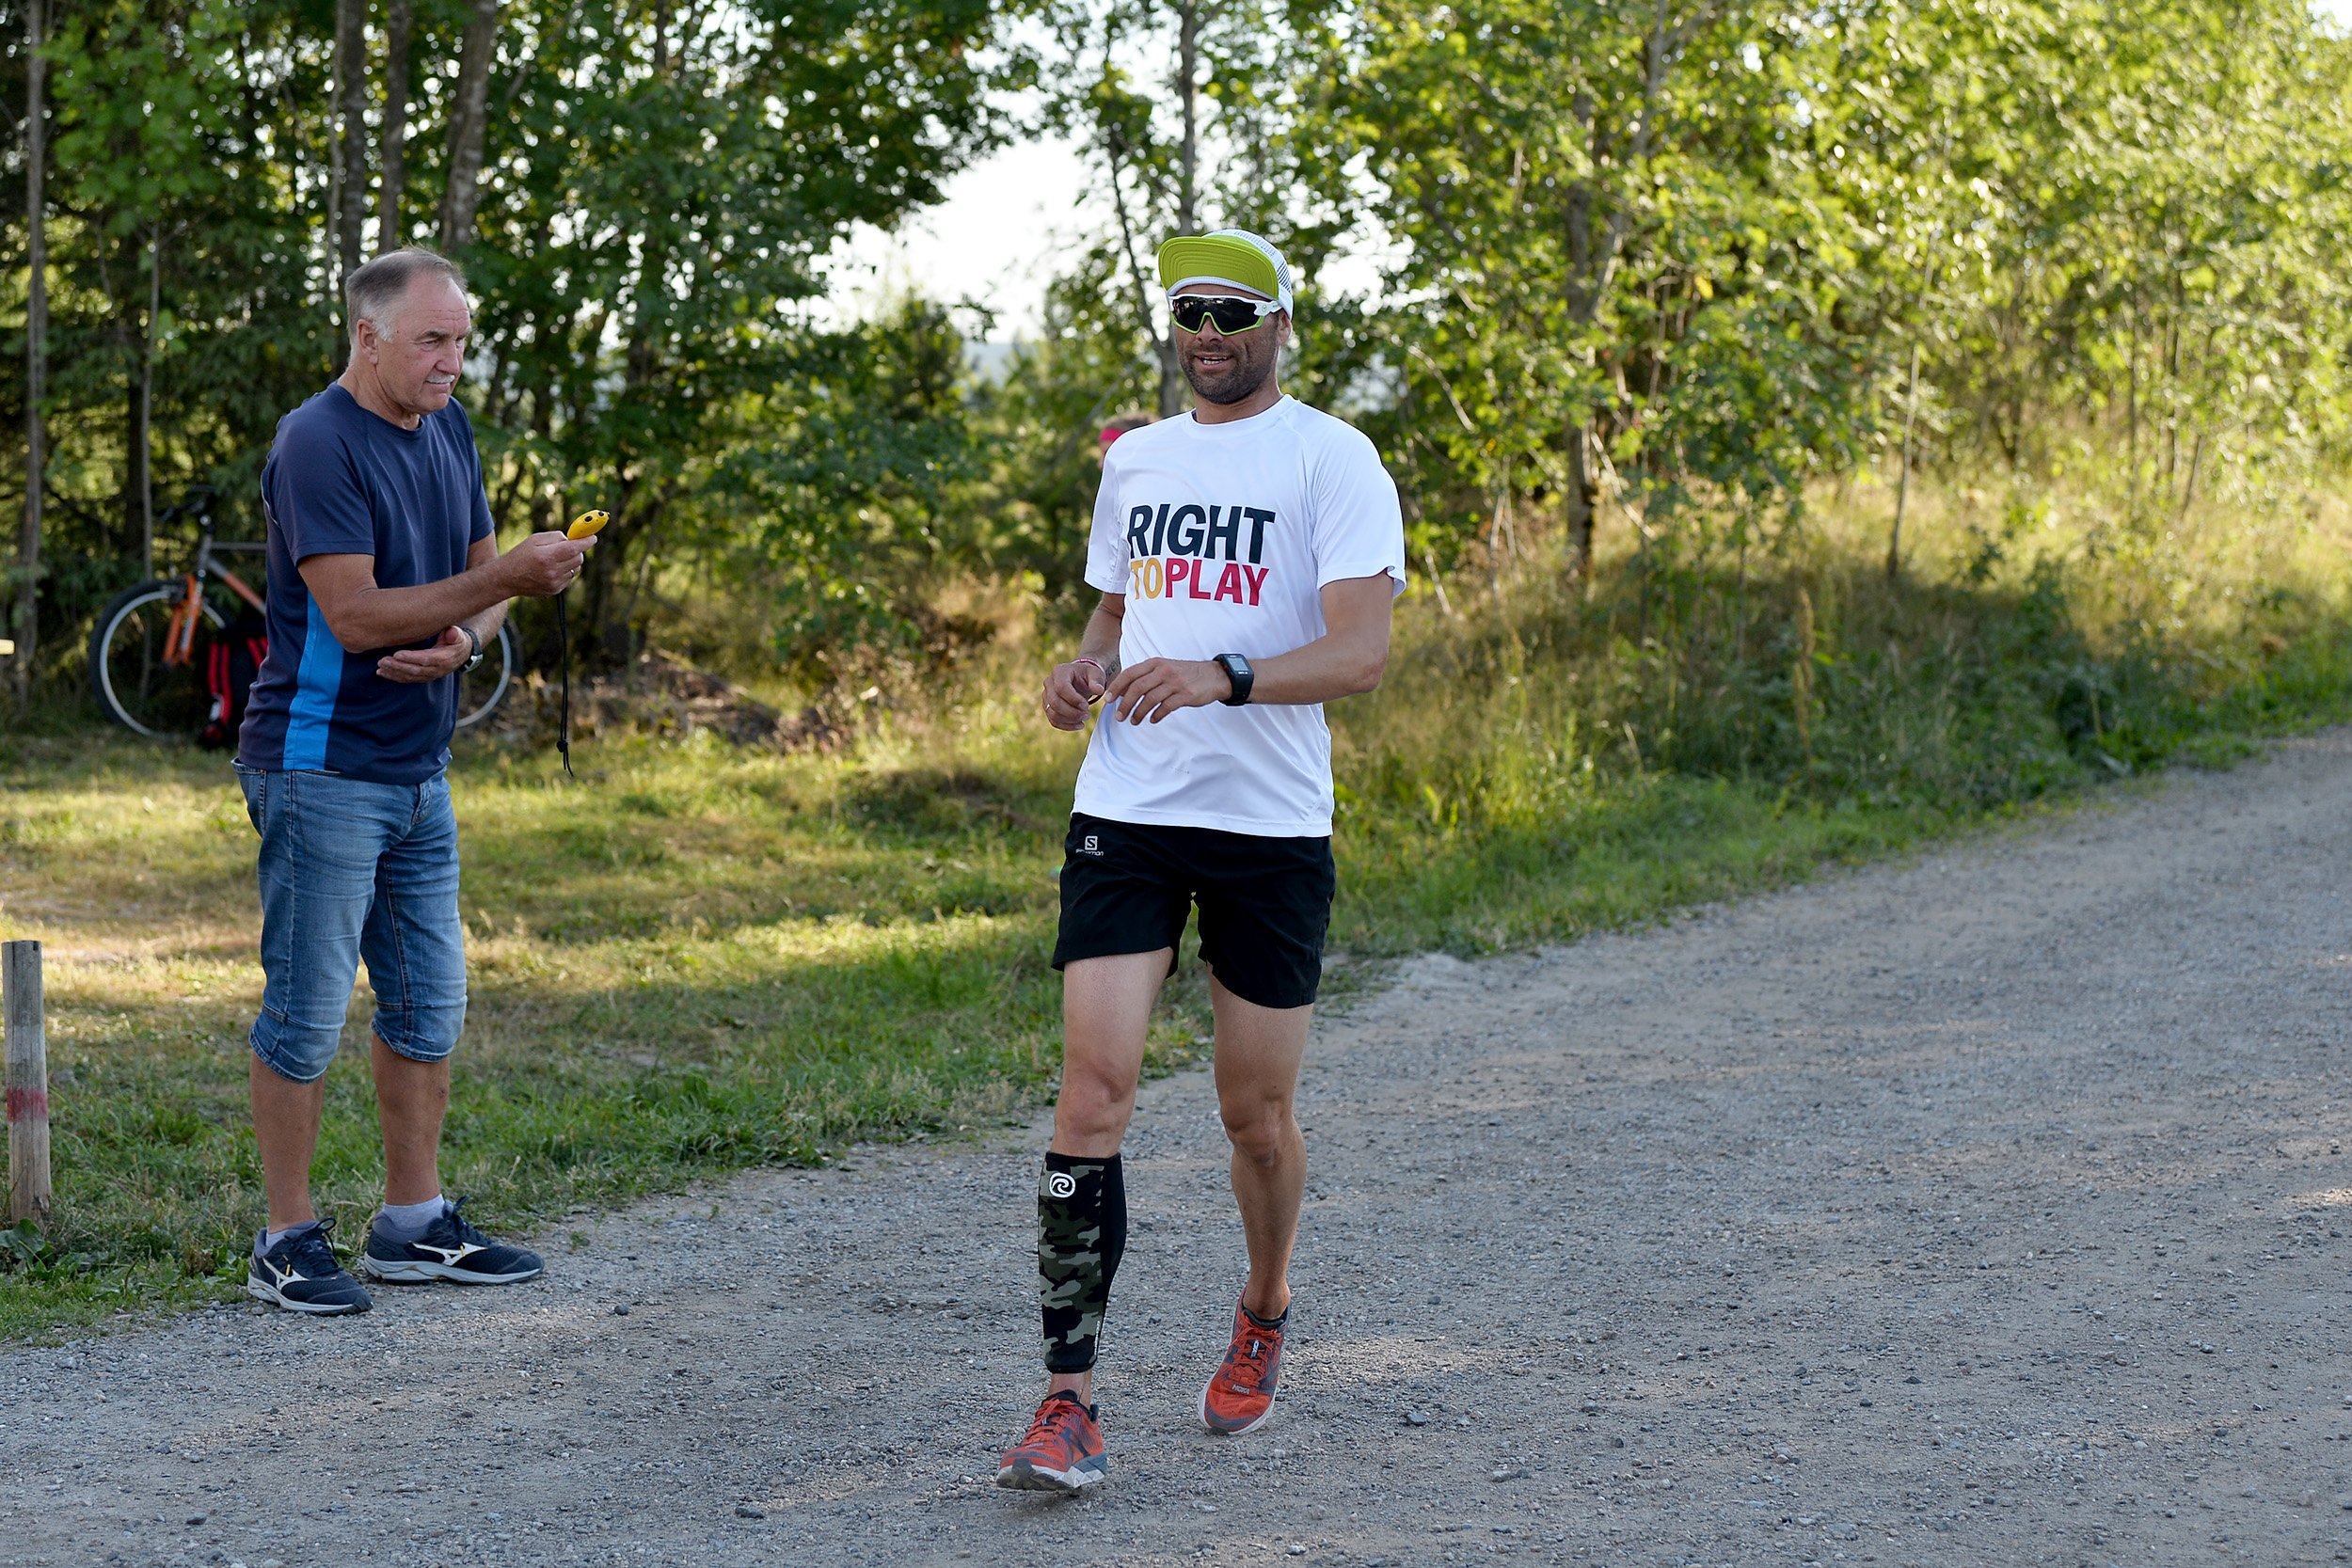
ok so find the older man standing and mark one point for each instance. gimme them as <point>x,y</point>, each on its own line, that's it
<point>384,581</point>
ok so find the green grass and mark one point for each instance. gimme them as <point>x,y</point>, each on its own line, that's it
<point>694,958</point>
<point>688,962</point>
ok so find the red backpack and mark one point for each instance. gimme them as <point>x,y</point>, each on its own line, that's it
<point>232,658</point>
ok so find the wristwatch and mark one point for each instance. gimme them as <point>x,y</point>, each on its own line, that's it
<point>1237,670</point>
<point>474,638</point>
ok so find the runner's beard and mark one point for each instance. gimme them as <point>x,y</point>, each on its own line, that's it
<point>1236,385</point>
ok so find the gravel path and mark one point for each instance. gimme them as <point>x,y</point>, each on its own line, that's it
<point>1982,1209</point>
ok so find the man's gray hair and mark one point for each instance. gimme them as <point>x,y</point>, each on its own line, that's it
<point>374,290</point>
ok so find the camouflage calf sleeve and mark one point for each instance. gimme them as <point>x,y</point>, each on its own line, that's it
<point>1081,1233</point>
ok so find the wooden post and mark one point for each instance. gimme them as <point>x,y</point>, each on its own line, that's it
<point>28,1083</point>
<point>1902,489</point>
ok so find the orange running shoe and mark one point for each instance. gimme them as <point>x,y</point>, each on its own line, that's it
<point>1063,1451</point>
<point>1241,1396</point>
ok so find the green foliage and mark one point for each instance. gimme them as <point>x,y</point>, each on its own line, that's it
<point>171,141</point>
<point>1083,360</point>
<point>1679,256</point>
<point>2141,215</point>
<point>660,192</point>
<point>656,205</point>
<point>861,452</point>
<point>1630,219</point>
<point>1645,273</point>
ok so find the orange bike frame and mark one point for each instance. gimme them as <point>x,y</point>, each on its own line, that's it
<point>179,635</point>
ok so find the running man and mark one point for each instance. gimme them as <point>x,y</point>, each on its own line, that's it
<point>1247,556</point>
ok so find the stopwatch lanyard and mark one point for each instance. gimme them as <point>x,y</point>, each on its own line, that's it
<point>564,658</point>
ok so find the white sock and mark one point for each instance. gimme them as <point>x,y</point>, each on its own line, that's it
<point>405,1222</point>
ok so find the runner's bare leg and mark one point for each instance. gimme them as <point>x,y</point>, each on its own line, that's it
<point>1257,1054</point>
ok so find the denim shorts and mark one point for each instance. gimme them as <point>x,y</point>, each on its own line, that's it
<point>352,871</point>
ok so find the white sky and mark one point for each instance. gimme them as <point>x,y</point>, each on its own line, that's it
<point>1007,225</point>
<point>1008,222</point>
<point>997,238</point>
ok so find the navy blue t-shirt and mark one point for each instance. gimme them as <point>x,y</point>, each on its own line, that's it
<point>341,481</point>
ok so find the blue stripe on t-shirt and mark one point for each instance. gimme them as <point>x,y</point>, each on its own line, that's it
<point>311,713</point>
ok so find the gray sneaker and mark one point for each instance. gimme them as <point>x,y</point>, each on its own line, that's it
<point>448,1249</point>
<point>302,1274</point>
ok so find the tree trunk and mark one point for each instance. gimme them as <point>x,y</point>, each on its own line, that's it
<point>351,139</point>
<point>399,17</point>
<point>1592,258</point>
<point>36,349</point>
<point>1164,349</point>
<point>601,640</point>
<point>1188,93</point>
<point>140,490</point>
<point>1187,186</point>
<point>468,119</point>
<point>1580,498</point>
<point>1903,486</point>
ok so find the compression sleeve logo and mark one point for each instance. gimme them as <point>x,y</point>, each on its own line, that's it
<point>1176,552</point>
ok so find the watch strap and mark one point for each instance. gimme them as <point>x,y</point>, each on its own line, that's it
<point>1237,670</point>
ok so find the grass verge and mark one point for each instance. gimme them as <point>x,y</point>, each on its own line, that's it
<point>697,958</point>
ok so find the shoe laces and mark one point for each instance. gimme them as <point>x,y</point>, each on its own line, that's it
<point>465,1233</point>
<point>313,1256</point>
<point>1246,1358</point>
<point>1057,1414</point>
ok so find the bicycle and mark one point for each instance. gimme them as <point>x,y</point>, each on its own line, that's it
<point>145,668</point>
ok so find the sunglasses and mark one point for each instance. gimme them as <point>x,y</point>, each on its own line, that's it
<point>1232,315</point>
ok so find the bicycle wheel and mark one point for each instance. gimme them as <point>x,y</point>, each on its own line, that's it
<point>127,672</point>
<point>480,692</point>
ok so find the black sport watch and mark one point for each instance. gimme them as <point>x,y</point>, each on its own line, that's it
<point>1237,670</point>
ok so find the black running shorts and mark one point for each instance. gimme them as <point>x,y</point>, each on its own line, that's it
<point>1265,903</point>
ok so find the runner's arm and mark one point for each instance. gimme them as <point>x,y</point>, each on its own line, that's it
<point>363,616</point>
<point>1350,657</point>
<point>1073,686</point>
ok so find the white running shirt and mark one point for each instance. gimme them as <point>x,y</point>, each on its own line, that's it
<point>1222,537</point>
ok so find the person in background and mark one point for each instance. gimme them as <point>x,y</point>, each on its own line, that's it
<point>384,581</point>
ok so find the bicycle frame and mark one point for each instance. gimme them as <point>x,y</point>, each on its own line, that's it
<point>180,633</point>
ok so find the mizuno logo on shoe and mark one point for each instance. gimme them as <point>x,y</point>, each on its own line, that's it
<point>448,1255</point>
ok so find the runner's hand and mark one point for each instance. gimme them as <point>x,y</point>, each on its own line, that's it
<point>545,564</point>
<point>1158,686</point>
<point>415,666</point>
<point>1069,690</point>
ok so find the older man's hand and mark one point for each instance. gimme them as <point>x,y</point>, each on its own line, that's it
<point>543,565</point>
<point>415,666</point>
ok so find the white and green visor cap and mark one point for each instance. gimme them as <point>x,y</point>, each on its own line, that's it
<point>1233,258</point>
